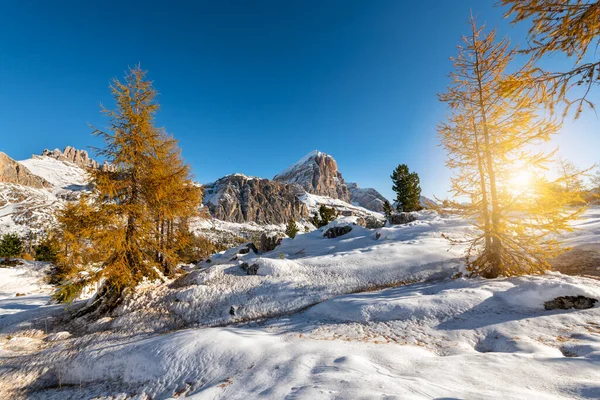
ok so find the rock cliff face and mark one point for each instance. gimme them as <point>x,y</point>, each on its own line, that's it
<point>13,172</point>
<point>368,198</point>
<point>238,198</point>
<point>77,157</point>
<point>317,173</point>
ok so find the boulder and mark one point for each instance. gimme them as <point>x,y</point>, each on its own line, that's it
<point>251,269</point>
<point>567,302</point>
<point>270,240</point>
<point>246,250</point>
<point>374,223</point>
<point>336,231</point>
<point>401,218</point>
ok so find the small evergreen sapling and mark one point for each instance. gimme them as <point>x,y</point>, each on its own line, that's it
<point>325,216</point>
<point>47,250</point>
<point>11,245</point>
<point>387,209</point>
<point>292,229</point>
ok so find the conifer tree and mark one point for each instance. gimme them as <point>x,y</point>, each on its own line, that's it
<point>406,184</point>
<point>291,229</point>
<point>387,209</point>
<point>570,179</point>
<point>489,138</point>
<point>11,245</point>
<point>571,27</point>
<point>47,249</point>
<point>324,216</point>
<point>137,217</point>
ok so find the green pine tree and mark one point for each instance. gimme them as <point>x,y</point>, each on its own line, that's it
<point>406,184</point>
<point>387,209</point>
<point>291,229</point>
<point>47,250</point>
<point>11,245</point>
<point>325,216</point>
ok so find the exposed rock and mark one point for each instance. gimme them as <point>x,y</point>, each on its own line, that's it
<point>370,222</point>
<point>55,337</point>
<point>401,218</point>
<point>251,269</point>
<point>567,302</point>
<point>336,231</point>
<point>270,240</point>
<point>368,198</point>
<point>13,172</point>
<point>238,198</point>
<point>246,250</point>
<point>374,223</point>
<point>80,158</point>
<point>317,173</point>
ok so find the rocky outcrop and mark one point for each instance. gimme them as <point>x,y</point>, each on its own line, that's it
<point>80,158</point>
<point>401,218</point>
<point>270,240</point>
<point>567,302</point>
<point>13,172</point>
<point>251,269</point>
<point>317,173</point>
<point>337,231</point>
<point>368,198</point>
<point>239,198</point>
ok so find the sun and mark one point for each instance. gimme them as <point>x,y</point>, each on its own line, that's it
<point>520,182</point>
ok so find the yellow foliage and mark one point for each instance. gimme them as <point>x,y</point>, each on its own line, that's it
<point>491,139</point>
<point>134,224</point>
<point>571,27</point>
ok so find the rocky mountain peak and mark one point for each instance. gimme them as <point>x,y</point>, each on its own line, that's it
<point>317,173</point>
<point>80,158</point>
<point>240,198</point>
<point>13,172</point>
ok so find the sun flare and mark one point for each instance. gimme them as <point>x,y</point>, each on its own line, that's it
<point>521,181</point>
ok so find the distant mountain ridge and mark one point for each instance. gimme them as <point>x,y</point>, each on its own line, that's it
<point>237,198</point>
<point>32,190</point>
<point>80,158</point>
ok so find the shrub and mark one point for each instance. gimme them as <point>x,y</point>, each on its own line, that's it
<point>47,250</point>
<point>325,216</point>
<point>11,245</point>
<point>292,229</point>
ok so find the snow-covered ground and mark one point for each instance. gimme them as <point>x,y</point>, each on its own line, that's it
<point>305,328</point>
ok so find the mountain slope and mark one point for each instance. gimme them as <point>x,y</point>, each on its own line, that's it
<point>33,189</point>
<point>13,172</point>
<point>368,198</point>
<point>238,198</point>
<point>317,173</point>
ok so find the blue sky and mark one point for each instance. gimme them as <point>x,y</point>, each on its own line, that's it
<point>252,86</point>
